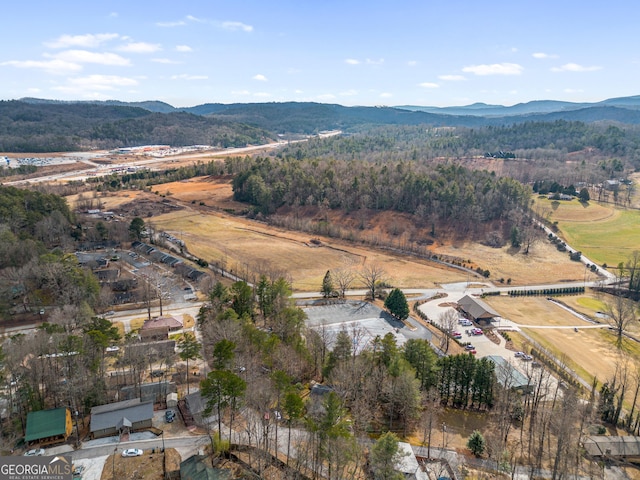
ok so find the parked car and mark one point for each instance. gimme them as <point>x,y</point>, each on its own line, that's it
<point>469,347</point>
<point>527,358</point>
<point>519,354</point>
<point>34,452</point>
<point>112,348</point>
<point>169,416</point>
<point>132,452</point>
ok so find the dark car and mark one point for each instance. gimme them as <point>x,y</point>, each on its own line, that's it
<point>169,416</point>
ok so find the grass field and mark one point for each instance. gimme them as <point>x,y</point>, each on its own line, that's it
<point>590,352</point>
<point>249,245</point>
<point>603,233</point>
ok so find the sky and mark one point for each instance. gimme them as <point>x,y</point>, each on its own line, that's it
<point>420,52</point>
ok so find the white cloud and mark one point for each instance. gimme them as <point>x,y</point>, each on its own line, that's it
<point>386,95</point>
<point>86,41</point>
<point>235,26</point>
<point>196,19</point>
<point>84,56</point>
<point>494,69</point>
<point>183,48</point>
<point>428,85</point>
<point>113,15</point>
<point>574,67</point>
<point>262,94</point>
<point>349,93</point>
<point>573,90</point>
<point>451,78</point>
<point>412,63</point>
<point>165,61</point>
<point>380,61</point>
<point>55,66</point>
<point>241,92</point>
<point>542,55</point>
<point>352,61</point>
<point>298,91</point>
<point>260,78</point>
<point>326,96</point>
<point>185,76</point>
<point>179,23</point>
<point>140,47</point>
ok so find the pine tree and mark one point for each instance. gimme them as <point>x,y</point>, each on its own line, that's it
<point>476,443</point>
<point>327,285</point>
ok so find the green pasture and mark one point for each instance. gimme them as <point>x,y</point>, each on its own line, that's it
<point>601,232</point>
<point>609,241</point>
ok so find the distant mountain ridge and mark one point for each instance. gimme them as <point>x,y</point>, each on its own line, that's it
<point>533,107</point>
<point>61,125</point>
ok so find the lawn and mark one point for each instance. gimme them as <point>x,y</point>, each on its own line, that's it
<point>603,233</point>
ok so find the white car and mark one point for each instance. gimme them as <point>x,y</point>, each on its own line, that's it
<point>132,452</point>
<point>519,354</point>
<point>113,348</point>
<point>36,452</point>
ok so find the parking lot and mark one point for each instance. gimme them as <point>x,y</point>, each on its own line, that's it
<point>367,319</point>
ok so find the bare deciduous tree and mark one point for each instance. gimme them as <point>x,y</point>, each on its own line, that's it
<point>620,313</point>
<point>372,276</point>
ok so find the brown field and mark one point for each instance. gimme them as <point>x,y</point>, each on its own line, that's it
<point>247,244</point>
<point>591,351</point>
<point>543,265</point>
<point>242,244</point>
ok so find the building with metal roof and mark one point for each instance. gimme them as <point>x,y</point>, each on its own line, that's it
<point>613,447</point>
<point>120,417</point>
<point>510,377</point>
<point>46,427</point>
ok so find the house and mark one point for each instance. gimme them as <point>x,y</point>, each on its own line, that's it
<point>196,468</point>
<point>171,323</point>
<point>192,408</point>
<point>613,447</point>
<point>477,309</point>
<point>120,418</point>
<point>47,427</point>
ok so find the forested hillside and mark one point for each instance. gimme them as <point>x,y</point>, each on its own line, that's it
<point>462,198</point>
<point>53,127</point>
<point>36,233</point>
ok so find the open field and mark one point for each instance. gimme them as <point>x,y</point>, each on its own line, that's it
<point>240,243</point>
<point>603,233</point>
<point>540,266</point>
<point>591,352</point>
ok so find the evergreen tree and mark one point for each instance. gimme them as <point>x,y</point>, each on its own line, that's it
<point>397,304</point>
<point>327,285</point>
<point>385,456</point>
<point>476,443</point>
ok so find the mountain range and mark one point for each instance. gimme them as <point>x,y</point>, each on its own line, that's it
<point>32,124</point>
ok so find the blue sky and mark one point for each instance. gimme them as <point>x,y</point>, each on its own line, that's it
<point>428,52</point>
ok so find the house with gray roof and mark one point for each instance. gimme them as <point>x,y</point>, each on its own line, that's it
<point>120,418</point>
